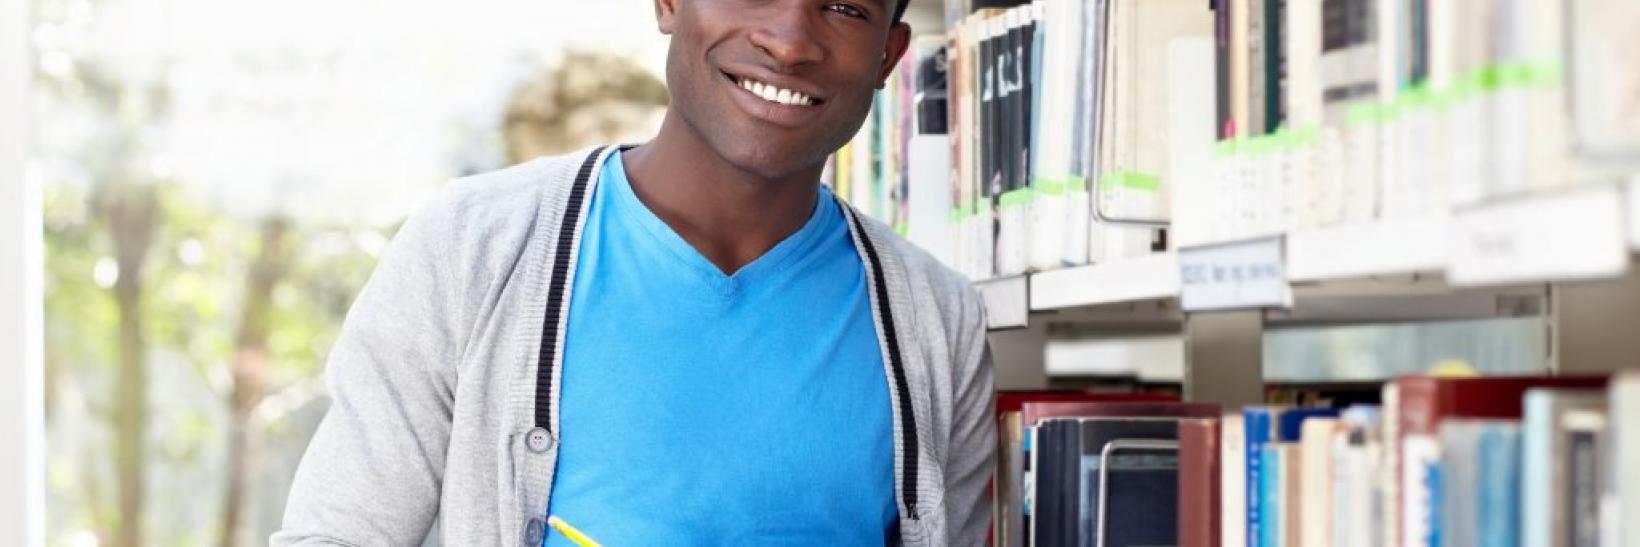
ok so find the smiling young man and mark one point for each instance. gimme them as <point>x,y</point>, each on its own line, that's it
<point>687,342</point>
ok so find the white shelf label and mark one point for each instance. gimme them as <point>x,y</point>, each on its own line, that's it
<point>1578,234</point>
<point>1228,276</point>
<point>1007,304</point>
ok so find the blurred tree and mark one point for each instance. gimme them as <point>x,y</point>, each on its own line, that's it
<point>586,99</point>
<point>250,364</point>
<point>124,199</point>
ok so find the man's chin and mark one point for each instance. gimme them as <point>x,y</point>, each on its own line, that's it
<point>773,162</point>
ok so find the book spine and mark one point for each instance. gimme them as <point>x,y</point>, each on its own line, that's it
<point>1256,67</point>
<point>1271,492</point>
<point>1275,67</point>
<point>1622,508</point>
<point>1198,483</point>
<point>1538,486</point>
<point>1499,499</point>
<point>1419,458</point>
<point>1388,480</point>
<point>1292,496</point>
<point>1028,486</point>
<point>1315,482</point>
<point>1233,480</point>
<point>1221,68</point>
<point>1259,431</point>
<point>1584,429</point>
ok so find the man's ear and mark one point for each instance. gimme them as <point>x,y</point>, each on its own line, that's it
<point>899,38</point>
<point>666,15</point>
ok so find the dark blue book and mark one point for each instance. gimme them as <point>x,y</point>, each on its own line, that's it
<point>1142,496</point>
<point>1291,421</point>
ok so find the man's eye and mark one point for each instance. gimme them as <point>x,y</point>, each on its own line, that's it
<point>846,9</point>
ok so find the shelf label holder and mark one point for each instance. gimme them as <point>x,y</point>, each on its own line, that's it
<point>1240,275</point>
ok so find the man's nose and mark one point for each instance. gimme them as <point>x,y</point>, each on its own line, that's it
<point>787,33</point>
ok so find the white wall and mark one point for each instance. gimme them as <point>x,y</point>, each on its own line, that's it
<point>22,511</point>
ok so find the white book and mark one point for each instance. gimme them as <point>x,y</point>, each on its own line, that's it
<point>1624,508</point>
<point>1315,482</point>
<point>1389,491</point>
<point>1355,455</point>
<point>1190,134</point>
<point>1046,212</point>
<point>1602,78</point>
<point>928,165</point>
<point>1232,481</point>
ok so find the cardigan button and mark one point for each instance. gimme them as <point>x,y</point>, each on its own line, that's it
<point>538,440</point>
<point>534,532</point>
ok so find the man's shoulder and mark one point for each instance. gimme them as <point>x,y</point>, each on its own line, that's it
<point>484,222</point>
<point>931,279</point>
<point>512,188</point>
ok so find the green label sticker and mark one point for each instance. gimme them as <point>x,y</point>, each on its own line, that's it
<point>1076,184</point>
<point>1143,182</point>
<point>1049,186</point>
<point>1016,198</point>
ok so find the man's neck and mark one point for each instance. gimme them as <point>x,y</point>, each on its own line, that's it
<point>729,215</point>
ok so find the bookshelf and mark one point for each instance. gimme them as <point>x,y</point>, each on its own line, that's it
<point>1430,173</point>
<point>1500,230</point>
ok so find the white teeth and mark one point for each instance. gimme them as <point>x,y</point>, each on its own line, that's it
<point>776,95</point>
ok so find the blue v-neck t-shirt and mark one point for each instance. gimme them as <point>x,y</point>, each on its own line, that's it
<point>700,408</point>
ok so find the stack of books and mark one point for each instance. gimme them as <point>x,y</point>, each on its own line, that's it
<point>1530,461</point>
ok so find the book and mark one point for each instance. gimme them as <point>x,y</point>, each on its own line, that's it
<point>1138,505</point>
<point>1240,64</point>
<point>1356,458</point>
<point>1586,430</point>
<point>1263,426</point>
<point>1604,87</point>
<point>1546,460</point>
<point>1423,402</point>
<point>1275,67</point>
<point>1315,481</point>
<point>1008,486</point>
<point>1479,483</point>
<point>1621,508</point>
<point>1222,75</point>
<point>1258,427</point>
<point>1051,470</point>
<point>1389,469</point>
<point>1256,60</point>
<point>1199,482</point>
<point>1279,494</point>
<point>1035,412</point>
<point>1232,481</point>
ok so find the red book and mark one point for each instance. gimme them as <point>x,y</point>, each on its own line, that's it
<point>1199,482</point>
<point>1009,401</point>
<point>1426,400</point>
<point>1423,402</point>
<point>1034,412</point>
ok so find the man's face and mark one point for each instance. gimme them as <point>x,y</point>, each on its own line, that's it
<point>775,86</point>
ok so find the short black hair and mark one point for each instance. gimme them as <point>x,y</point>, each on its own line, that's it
<point>899,11</point>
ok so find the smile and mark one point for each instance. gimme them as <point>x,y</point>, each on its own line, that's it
<point>774,94</point>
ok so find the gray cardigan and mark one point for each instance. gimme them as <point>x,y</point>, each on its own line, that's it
<point>444,380</point>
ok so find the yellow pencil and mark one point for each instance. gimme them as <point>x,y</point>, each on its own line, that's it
<point>570,532</point>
